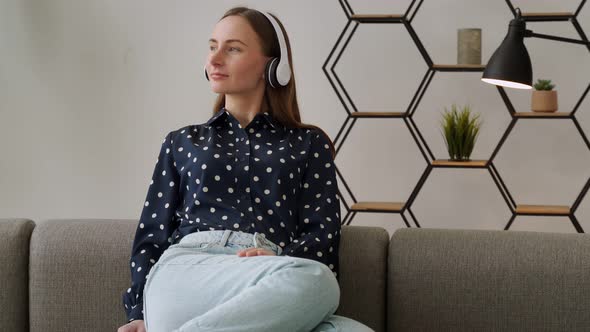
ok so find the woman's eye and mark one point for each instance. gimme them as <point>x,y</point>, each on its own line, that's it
<point>211,48</point>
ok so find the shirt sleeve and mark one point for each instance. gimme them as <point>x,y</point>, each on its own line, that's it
<point>318,208</point>
<point>155,227</point>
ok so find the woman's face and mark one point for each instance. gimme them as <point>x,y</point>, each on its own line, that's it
<point>236,52</point>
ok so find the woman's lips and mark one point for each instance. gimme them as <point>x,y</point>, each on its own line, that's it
<point>218,76</point>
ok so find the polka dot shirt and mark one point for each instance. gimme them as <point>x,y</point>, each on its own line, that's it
<point>264,178</point>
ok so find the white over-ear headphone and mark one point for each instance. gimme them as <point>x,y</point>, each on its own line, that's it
<point>277,71</point>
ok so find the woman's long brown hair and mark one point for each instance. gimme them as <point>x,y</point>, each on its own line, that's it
<point>281,101</point>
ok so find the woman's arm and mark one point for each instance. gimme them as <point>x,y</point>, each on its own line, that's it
<point>318,208</point>
<point>155,227</point>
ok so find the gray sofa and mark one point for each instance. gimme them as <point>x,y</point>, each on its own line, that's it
<point>69,275</point>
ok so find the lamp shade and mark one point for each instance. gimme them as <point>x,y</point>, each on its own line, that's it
<point>510,65</point>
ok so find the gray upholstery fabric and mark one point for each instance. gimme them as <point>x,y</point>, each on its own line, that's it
<point>363,275</point>
<point>437,279</point>
<point>79,269</point>
<point>478,280</point>
<point>14,264</point>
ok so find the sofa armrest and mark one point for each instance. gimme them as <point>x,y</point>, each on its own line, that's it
<point>363,275</point>
<point>14,271</point>
<point>468,280</point>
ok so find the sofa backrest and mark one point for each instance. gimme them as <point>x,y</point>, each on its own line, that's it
<point>79,270</point>
<point>484,280</point>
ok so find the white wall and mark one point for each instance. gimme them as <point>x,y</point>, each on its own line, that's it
<point>88,89</point>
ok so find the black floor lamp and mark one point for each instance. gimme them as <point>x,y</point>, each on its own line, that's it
<point>510,65</point>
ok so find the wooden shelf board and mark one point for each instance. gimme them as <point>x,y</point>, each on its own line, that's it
<point>553,14</point>
<point>561,210</point>
<point>541,114</point>
<point>377,206</point>
<point>376,16</point>
<point>377,114</point>
<point>442,66</point>
<point>449,163</point>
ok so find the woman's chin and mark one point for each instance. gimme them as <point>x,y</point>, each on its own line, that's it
<point>218,89</point>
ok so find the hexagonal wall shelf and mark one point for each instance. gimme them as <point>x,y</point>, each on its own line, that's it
<point>353,115</point>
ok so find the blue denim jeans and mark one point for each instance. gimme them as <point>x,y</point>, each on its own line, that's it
<point>200,284</point>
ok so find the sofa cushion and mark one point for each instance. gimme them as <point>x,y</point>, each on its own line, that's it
<point>14,260</point>
<point>80,269</point>
<point>483,280</point>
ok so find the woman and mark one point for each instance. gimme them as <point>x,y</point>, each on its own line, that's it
<point>241,225</point>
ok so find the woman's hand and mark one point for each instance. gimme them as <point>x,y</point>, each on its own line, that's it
<point>255,252</point>
<point>134,326</point>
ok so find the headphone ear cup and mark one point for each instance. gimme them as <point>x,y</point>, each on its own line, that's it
<point>206,76</point>
<point>270,72</point>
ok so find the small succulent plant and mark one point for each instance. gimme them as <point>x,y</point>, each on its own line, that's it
<point>544,85</point>
<point>460,129</point>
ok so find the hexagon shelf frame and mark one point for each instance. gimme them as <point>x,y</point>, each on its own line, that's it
<point>353,114</point>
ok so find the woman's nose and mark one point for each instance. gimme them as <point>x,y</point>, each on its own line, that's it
<point>215,57</point>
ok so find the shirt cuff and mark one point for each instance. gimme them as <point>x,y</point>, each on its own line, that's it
<point>136,312</point>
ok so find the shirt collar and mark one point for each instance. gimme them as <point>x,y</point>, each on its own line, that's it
<point>269,118</point>
<point>216,116</point>
<point>223,112</point>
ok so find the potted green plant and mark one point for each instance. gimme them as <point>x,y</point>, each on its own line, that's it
<point>544,98</point>
<point>460,129</point>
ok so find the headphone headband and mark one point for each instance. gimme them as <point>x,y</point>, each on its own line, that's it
<point>283,71</point>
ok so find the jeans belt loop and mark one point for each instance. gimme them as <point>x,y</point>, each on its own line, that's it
<point>225,237</point>
<point>261,241</point>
